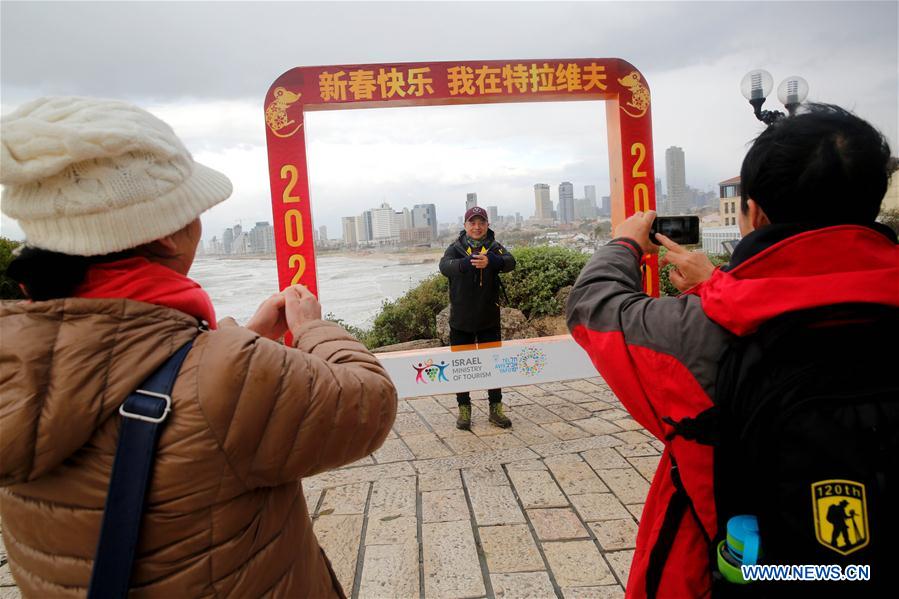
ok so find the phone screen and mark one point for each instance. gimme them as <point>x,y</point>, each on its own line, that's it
<point>679,229</point>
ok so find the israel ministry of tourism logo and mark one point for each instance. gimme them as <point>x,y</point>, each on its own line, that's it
<point>530,361</point>
<point>428,371</point>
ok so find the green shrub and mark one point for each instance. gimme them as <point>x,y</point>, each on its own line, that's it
<point>9,289</point>
<point>412,316</point>
<point>539,274</point>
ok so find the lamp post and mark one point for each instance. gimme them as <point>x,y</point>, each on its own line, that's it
<point>758,84</point>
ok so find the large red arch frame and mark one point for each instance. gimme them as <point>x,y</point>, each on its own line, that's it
<point>304,89</point>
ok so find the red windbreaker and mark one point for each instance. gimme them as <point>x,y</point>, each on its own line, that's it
<point>660,357</point>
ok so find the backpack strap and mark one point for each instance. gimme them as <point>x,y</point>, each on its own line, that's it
<point>143,415</point>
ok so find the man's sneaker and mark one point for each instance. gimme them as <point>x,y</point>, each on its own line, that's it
<point>463,422</point>
<point>497,418</point>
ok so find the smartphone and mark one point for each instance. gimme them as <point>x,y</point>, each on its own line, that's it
<point>729,246</point>
<point>679,229</point>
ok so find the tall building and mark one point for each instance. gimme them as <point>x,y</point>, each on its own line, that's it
<point>471,200</point>
<point>348,224</point>
<point>262,238</point>
<point>566,202</point>
<point>543,206</point>
<point>228,240</point>
<point>676,181</point>
<point>323,234</point>
<point>590,196</point>
<point>425,215</point>
<point>364,229</point>
<point>493,214</point>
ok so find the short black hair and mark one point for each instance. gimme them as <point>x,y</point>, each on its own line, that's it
<point>823,166</point>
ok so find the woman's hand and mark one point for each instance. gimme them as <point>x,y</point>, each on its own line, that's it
<point>637,227</point>
<point>300,307</point>
<point>269,320</point>
<point>690,268</point>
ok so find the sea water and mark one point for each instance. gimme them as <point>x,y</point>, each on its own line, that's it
<point>351,288</point>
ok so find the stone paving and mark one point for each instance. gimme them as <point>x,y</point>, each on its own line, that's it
<point>547,508</point>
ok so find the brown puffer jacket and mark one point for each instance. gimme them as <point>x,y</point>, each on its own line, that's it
<point>225,512</point>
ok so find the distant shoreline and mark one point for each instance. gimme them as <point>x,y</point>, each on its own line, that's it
<point>402,257</point>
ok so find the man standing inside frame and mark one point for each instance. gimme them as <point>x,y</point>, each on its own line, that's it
<point>472,264</point>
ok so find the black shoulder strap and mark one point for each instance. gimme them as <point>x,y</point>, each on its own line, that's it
<point>143,414</point>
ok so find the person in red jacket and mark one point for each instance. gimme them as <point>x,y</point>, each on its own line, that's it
<point>812,185</point>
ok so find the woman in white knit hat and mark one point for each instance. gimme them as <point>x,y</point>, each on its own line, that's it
<point>109,200</point>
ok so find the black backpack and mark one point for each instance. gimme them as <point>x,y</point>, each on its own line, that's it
<point>806,438</point>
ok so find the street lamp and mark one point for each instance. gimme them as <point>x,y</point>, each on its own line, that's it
<point>757,84</point>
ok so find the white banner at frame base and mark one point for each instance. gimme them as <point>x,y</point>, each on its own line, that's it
<point>520,362</point>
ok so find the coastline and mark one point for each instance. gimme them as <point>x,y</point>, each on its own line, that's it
<point>400,257</point>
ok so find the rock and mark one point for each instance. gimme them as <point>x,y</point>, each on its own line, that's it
<point>408,345</point>
<point>443,325</point>
<point>562,297</point>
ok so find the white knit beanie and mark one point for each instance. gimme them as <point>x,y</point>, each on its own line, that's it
<point>87,177</point>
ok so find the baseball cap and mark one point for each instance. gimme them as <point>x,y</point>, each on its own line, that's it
<point>476,211</point>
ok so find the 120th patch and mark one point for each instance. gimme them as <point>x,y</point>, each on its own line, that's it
<point>841,515</point>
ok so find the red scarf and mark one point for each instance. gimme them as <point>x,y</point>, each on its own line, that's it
<point>144,281</point>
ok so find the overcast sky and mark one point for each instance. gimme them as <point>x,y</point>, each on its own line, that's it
<point>205,68</point>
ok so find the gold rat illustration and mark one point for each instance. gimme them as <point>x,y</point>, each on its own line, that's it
<point>639,94</point>
<point>276,112</point>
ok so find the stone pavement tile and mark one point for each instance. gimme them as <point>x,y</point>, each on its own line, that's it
<point>627,424</point>
<point>612,415</point>
<point>402,407</point>
<point>393,497</point>
<point>494,505</point>
<point>338,478</point>
<point>390,571</point>
<point>537,489</point>
<point>10,593</point>
<point>574,396</point>
<point>427,446</point>
<point>392,435</point>
<point>552,387</point>
<point>447,400</point>
<point>627,484</point>
<point>575,445</point>
<point>366,461</point>
<point>615,534</point>
<point>532,434</point>
<point>339,536</point>
<point>604,458</point>
<point>621,564</point>
<point>527,585</point>
<point>513,398</point>
<point>491,476</point>
<point>568,411</point>
<point>437,420</point>
<point>6,579</point>
<point>504,440</point>
<point>536,414</point>
<point>577,563</point>
<point>439,480</point>
<point>550,399</point>
<point>451,566</point>
<point>349,499</point>
<point>634,437</point>
<point>393,450</point>
<point>565,431</point>
<point>636,510</point>
<point>557,524</point>
<point>530,390</point>
<point>391,530</point>
<point>526,465</point>
<point>596,426</point>
<point>575,477</point>
<point>510,548</point>
<point>310,495</point>
<point>444,506</point>
<point>637,450</point>
<point>646,465</point>
<point>426,404</point>
<point>484,430</point>
<point>486,458</point>
<point>657,444</point>
<point>582,385</point>
<point>599,506</point>
<point>596,406</point>
<point>466,444</point>
<point>409,424</point>
<point>607,592</point>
